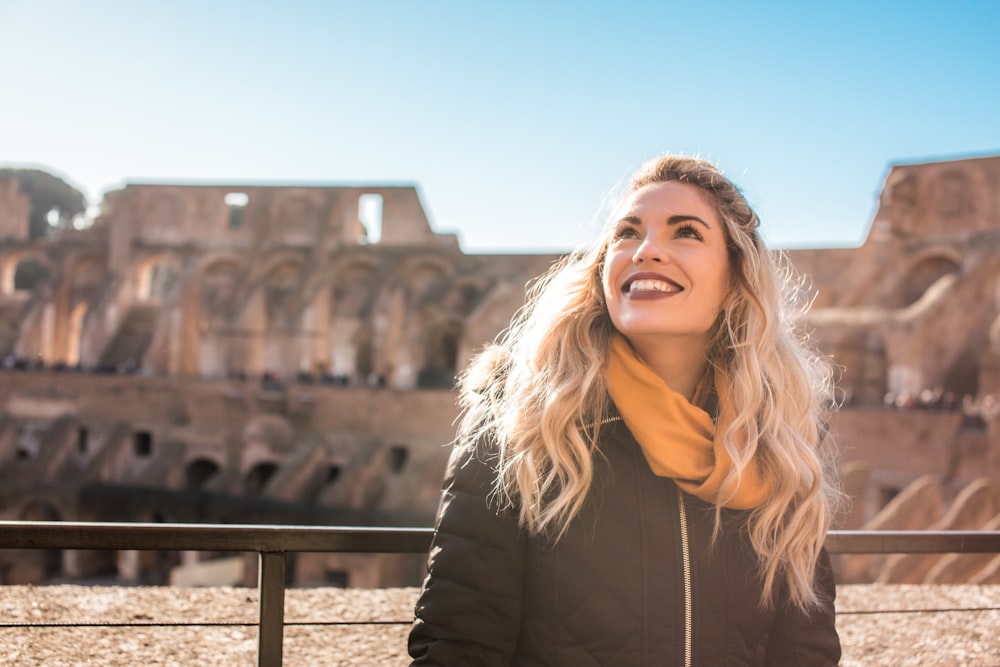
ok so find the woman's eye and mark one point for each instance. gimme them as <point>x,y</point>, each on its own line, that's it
<point>688,232</point>
<point>625,233</point>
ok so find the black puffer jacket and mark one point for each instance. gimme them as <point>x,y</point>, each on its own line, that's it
<point>614,590</point>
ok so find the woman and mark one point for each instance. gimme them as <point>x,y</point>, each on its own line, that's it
<point>637,477</point>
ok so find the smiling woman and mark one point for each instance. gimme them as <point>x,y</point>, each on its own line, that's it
<point>665,276</point>
<point>640,456</point>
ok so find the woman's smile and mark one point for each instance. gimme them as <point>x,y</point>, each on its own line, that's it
<point>650,285</point>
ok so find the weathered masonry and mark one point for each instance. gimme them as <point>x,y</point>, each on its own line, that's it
<point>247,353</point>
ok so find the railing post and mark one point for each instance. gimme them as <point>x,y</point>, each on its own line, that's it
<point>271,629</point>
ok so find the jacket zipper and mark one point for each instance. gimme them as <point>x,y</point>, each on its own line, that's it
<point>686,567</point>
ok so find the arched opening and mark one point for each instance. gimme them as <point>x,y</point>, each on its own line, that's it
<point>353,290</point>
<point>29,274</point>
<point>219,347</point>
<point>398,456</point>
<point>441,358</point>
<point>963,377</point>
<point>198,473</point>
<point>426,282</point>
<point>155,280</point>
<point>924,274</point>
<point>258,477</point>
<point>283,284</point>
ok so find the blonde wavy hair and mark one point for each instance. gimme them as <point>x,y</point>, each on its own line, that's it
<point>539,393</point>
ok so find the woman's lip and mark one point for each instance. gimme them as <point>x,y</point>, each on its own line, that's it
<point>675,287</point>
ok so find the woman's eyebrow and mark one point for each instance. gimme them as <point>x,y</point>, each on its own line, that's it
<point>672,220</point>
<point>677,219</point>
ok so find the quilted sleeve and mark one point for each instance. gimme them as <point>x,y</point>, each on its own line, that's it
<point>469,610</point>
<point>800,639</point>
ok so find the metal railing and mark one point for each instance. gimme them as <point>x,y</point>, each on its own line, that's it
<point>273,542</point>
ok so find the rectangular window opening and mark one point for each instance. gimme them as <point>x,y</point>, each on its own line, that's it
<point>142,443</point>
<point>337,578</point>
<point>237,203</point>
<point>370,216</point>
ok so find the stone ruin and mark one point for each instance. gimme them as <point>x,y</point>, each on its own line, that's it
<point>912,318</point>
<point>258,354</point>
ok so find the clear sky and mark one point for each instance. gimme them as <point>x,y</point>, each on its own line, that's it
<point>514,118</point>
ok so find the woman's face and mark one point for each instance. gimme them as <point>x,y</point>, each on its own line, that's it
<point>666,272</point>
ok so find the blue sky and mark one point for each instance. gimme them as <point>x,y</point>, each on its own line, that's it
<point>513,118</point>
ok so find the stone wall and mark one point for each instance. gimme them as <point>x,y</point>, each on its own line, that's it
<point>282,353</point>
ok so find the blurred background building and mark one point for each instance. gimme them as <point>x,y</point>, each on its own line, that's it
<point>286,354</point>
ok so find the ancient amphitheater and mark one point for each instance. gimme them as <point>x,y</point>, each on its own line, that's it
<point>238,353</point>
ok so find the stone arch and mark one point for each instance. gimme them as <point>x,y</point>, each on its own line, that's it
<point>281,291</point>
<point>199,472</point>
<point>353,290</point>
<point>23,272</point>
<point>209,309</point>
<point>267,440</point>
<point>273,432</point>
<point>441,356</point>
<point>85,275</point>
<point>406,307</point>
<point>218,284</point>
<point>925,270</point>
<point>29,274</point>
<point>155,276</point>
<point>256,478</point>
<point>282,282</point>
<point>424,279</point>
<point>353,286</point>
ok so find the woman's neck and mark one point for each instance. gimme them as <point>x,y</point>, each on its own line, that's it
<point>680,362</point>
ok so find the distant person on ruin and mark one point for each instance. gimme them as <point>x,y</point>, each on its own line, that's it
<point>640,476</point>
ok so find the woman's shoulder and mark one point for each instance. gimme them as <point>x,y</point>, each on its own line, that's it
<point>473,467</point>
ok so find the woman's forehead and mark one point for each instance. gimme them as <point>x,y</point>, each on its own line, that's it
<point>667,198</point>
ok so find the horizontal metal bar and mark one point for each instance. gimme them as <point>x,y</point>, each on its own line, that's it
<point>278,538</point>
<point>211,537</point>
<point>913,541</point>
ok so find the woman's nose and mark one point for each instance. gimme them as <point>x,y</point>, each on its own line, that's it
<point>648,251</point>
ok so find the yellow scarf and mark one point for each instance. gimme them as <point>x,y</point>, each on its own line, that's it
<point>677,438</point>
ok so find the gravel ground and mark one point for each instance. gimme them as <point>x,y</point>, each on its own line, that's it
<point>895,625</point>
